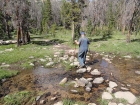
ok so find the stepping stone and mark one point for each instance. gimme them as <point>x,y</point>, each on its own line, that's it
<point>91,104</point>
<point>126,95</point>
<point>89,85</point>
<point>106,96</point>
<point>95,72</point>
<point>83,70</point>
<point>88,89</point>
<point>98,80</point>
<point>109,89</point>
<point>88,69</point>
<point>112,84</point>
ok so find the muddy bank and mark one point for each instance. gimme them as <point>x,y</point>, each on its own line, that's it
<point>46,80</point>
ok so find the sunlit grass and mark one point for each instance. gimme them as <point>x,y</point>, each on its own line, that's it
<point>7,73</point>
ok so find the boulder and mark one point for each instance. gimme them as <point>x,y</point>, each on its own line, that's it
<point>82,70</point>
<point>63,81</point>
<point>95,72</point>
<point>126,95</point>
<point>106,96</point>
<point>112,84</point>
<point>98,80</point>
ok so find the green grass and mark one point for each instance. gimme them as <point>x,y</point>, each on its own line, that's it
<point>71,102</point>
<point>116,44</point>
<point>23,53</point>
<point>7,73</point>
<point>17,98</point>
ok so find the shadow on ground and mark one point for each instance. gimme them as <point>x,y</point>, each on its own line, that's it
<point>50,42</point>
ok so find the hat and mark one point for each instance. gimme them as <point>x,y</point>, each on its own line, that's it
<point>82,33</point>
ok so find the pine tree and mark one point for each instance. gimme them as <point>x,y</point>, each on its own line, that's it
<point>47,16</point>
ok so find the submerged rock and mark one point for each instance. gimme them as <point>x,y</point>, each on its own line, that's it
<point>112,84</point>
<point>126,95</point>
<point>95,72</point>
<point>63,81</point>
<point>83,70</point>
<point>98,80</point>
<point>106,96</point>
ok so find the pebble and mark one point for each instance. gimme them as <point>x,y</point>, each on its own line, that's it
<point>50,64</point>
<point>53,98</point>
<point>42,102</point>
<point>120,104</point>
<point>90,79</point>
<point>63,81</point>
<point>74,91</point>
<point>123,88</point>
<point>88,89</point>
<point>37,98</point>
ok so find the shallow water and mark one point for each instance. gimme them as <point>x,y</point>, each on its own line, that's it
<point>121,71</point>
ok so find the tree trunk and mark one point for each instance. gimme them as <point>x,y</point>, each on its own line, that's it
<point>123,30</point>
<point>18,36</point>
<point>22,35</point>
<point>73,36</point>
<point>128,37</point>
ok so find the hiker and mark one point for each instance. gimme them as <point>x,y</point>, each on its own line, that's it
<point>83,48</point>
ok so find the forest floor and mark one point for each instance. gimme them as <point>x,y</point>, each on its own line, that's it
<point>31,63</point>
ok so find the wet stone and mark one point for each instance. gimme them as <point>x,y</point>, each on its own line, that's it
<point>98,80</point>
<point>126,95</point>
<point>74,91</point>
<point>107,96</point>
<point>63,81</point>
<point>59,103</point>
<point>91,104</point>
<point>112,84</point>
<point>83,70</point>
<point>112,103</point>
<point>137,72</point>
<point>95,72</point>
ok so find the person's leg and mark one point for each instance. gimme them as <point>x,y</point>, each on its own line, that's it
<point>81,58</point>
<point>84,59</point>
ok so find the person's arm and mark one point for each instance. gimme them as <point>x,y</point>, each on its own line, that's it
<point>77,42</point>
